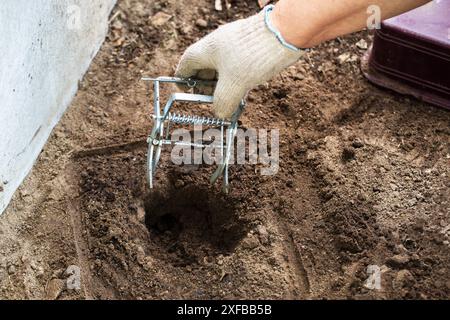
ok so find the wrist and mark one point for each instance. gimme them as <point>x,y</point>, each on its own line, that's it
<point>268,20</point>
<point>287,26</point>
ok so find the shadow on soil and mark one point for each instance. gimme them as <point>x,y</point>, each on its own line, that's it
<point>192,223</point>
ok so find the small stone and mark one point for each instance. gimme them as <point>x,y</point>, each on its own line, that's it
<point>202,23</point>
<point>411,202</point>
<point>220,260</point>
<point>357,143</point>
<point>398,261</point>
<point>98,262</point>
<point>117,25</point>
<point>343,58</point>
<point>12,270</point>
<point>353,58</point>
<point>250,243</point>
<point>114,232</point>
<point>403,279</point>
<point>263,234</point>
<point>54,289</point>
<point>39,271</point>
<point>218,5</point>
<point>148,265</point>
<point>298,76</point>
<point>140,255</point>
<point>362,44</point>
<point>347,57</point>
<point>140,251</point>
<point>160,19</point>
<point>362,197</point>
<point>186,29</point>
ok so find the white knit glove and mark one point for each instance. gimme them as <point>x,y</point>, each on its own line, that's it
<point>244,53</point>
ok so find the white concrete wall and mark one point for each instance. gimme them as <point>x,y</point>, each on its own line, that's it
<point>46,46</point>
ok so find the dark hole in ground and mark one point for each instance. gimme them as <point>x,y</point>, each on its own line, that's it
<point>166,222</point>
<point>193,222</point>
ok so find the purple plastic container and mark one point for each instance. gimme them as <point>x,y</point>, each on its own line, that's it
<point>411,54</point>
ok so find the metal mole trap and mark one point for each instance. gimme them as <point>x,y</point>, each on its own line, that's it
<point>163,119</point>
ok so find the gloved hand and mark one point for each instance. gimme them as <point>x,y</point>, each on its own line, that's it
<point>242,55</point>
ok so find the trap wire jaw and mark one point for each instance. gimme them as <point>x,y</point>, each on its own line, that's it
<point>163,118</point>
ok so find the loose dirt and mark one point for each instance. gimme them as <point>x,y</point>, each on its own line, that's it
<point>363,185</point>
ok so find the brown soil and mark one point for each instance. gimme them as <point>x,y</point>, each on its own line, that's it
<point>364,180</point>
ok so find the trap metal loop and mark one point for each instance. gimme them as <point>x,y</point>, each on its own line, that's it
<point>163,118</point>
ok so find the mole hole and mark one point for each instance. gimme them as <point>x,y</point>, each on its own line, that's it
<point>164,223</point>
<point>193,221</point>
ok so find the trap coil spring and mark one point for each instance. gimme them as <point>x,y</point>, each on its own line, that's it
<point>195,120</point>
<point>159,135</point>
